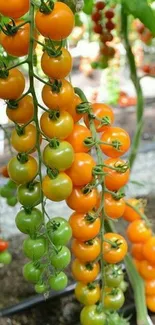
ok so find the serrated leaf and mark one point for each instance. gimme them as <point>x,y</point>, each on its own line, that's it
<point>88,6</point>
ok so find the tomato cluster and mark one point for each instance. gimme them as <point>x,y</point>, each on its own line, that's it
<point>5,256</point>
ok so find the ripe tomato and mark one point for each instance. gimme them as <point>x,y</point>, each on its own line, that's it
<point>18,43</point>
<point>113,298</point>
<point>113,276</point>
<point>103,112</point>
<point>57,100</point>
<point>113,208</point>
<point>24,111</point>
<point>5,258</point>
<point>58,188</point>
<point>96,16</point>
<point>58,282</point>
<point>82,202</point>
<point>106,37</point>
<point>3,245</point>
<point>57,67</point>
<point>87,251</point>
<point>150,302</point>
<point>81,170</point>
<point>77,137</point>
<point>59,231</point>
<point>29,223</point>
<point>149,250</point>
<point>61,259</point>
<point>150,287</point>
<point>14,8</point>
<point>4,171</point>
<point>137,264</point>
<point>129,213</point>
<point>83,226</point>
<point>29,195</point>
<point>114,180</point>
<point>60,157</point>
<point>91,316</point>
<point>116,254</point>
<point>87,294</point>
<point>12,86</point>
<point>85,273</point>
<point>31,272</point>
<point>26,141</point>
<point>110,137</point>
<point>137,251</point>
<point>146,270</point>
<point>138,232</point>
<point>57,24</point>
<point>109,13</point>
<point>34,248</point>
<point>60,128</point>
<point>109,25</point>
<point>22,173</point>
<point>100,5</point>
<point>71,108</point>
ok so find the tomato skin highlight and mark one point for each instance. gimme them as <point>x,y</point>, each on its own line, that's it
<point>82,273</point>
<point>13,86</point>
<point>114,255</point>
<point>114,180</point>
<point>113,208</point>
<point>85,251</point>
<point>14,8</point>
<point>57,67</point>
<point>77,137</point>
<point>83,229</point>
<point>22,173</point>
<point>101,111</point>
<point>138,232</point>
<point>61,234</point>
<point>60,158</point>
<point>87,296</point>
<point>34,248</point>
<point>90,316</point>
<point>81,202</point>
<point>24,105</point>
<point>81,169</point>
<point>26,141</point>
<point>57,189</point>
<point>29,223</point>
<point>113,134</point>
<point>29,196</point>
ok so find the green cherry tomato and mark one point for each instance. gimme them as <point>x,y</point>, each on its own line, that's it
<point>29,195</point>
<point>61,157</point>
<point>59,231</point>
<point>31,272</point>
<point>61,259</point>
<point>5,258</point>
<point>6,192</point>
<point>22,173</point>
<point>12,185</point>
<point>12,201</point>
<point>58,282</point>
<point>91,316</point>
<point>113,298</point>
<point>40,288</point>
<point>87,294</point>
<point>34,248</point>
<point>123,286</point>
<point>114,319</point>
<point>29,223</point>
<point>113,275</point>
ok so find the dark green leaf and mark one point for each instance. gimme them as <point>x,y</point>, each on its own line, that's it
<point>88,6</point>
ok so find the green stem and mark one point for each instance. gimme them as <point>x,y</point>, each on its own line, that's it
<point>17,65</point>
<point>136,82</point>
<point>142,215</point>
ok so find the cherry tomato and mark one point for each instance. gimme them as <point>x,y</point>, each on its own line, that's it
<point>91,316</point>
<point>6,192</point>
<point>137,251</point>
<point>3,245</point>
<point>58,282</point>
<point>138,232</point>
<point>77,137</point>
<point>5,258</point>
<point>29,195</point>
<point>150,302</point>
<point>14,8</point>
<point>57,24</point>
<point>29,223</point>
<point>109,14</point>
<point>81,170</point>
<point>85,273</point>
<point>106,37</point>
<point>55,100</point>
<point>84,227</point>
<point>12,86</point>
<point>22,173</point>
<point>150,287</point>
<point>96,16</point>
<point>113,298</point>
<point>12,201</point>
<point>18,43</point>
<point>103,112</point>
<point>137,264</point>
<point>61,127</point>
<point>113,276</point>
<point>100,5</point>
<point>4,171</point>
<point>58,188</point>
<point>109,25</point>
<point>149,250</point>
<point>61,259</point>
<point>24,111</point>
<point>98,29</point>
<point>71,108</point>
<point>26,141</point>
<point>114,180</point>
<point>115,254</point>
<point>87,294</point>
<point>113,208</point>
<point>34,248</point>
<point>59,231</point>
<point>110,137</point>
<point>146,270</point>
<point>41,288</point>
<point>87,251</point>
<point>57,67</point>
<point>129,213</point>
<point>83,202</point>
<point>60,157</point>
<point>31,272</point>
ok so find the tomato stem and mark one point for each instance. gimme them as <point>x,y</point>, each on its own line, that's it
<point>142,215</point>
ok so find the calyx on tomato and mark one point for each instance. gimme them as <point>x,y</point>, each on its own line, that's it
<point>52,50</point>
<point>54,143</point>
<point>46,6</point>
<point>56,86</point>
<point>52,172</point>
<point>4,73</point>
<point>11,28</point>
<point>90,217</point>
<point>22,157</point>
<point>54,115</point>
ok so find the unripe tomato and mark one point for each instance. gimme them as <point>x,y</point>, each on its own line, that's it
<point>14,8</point>
<point>60,157</point>
<point>81,170</point>
<point>146,270</point>
<point>129,213</point>
<point>113,208</point>
<point>24,111</point>
<point>57,67</point>
<point>150,287</point>
<point>83,202</point>
<point>59,231</point>
<point>115,136</point>
<point>84,227</point>
<point>150,302</point>
<point>113,298</point>
<point>12,86</point>
<point>34,248</point>
<point>62,258</point>
<point>138,231</point>
<point>29,195</point>
<point>113,276</point>
<point>114,254</point>
<point>103,112</point>
<point>87,294</point>
<point>87,251</point>
<point>85,273</point>
<point>31,272</point>
<point>58,282</point>
<point>71,108</point>
<point>77,137</point>
<point>5,258</point>
<point>91,316</point>
<point>58,188</point>
<point>25,142</point>
<point>22,173</point>
<point>149,250</point>
<point>137,251</point>
<point>114,180</point>
<point>41,288</point>
<point>57,24</point>
<point>29,223</point>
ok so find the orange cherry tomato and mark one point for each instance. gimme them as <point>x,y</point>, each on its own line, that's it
<point>103,112</point>
<point>12,86</point>
<point>114,254</point>
<point>149,250</point>
<point>138,232</point>
<point>85,273</point>
<point>86,252</point>
<point>129,213</point>
<point>150,302</point>
<point>114,180</point>
<point>57,67</point>
<point>137,251</point>
<point>71,109</point>
<point>110,137</point>
<point>146,270</point>
<point>81,169</point>
<point>77,137</point>
<point>84,227</point>
<point>24,111</point>
<point>82,202</point>
<point>113,208</point>
<point>4,171</point>
<point>56,100</point>
<point>14,8</point>
<point>137,264</point>
<point>150,287</point>
<point>26,141</point>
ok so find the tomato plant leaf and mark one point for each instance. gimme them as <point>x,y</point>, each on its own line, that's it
<point>88,6</point>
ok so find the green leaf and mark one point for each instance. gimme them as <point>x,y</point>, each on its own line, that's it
<point>88,6</point>
<point>140,9</point>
